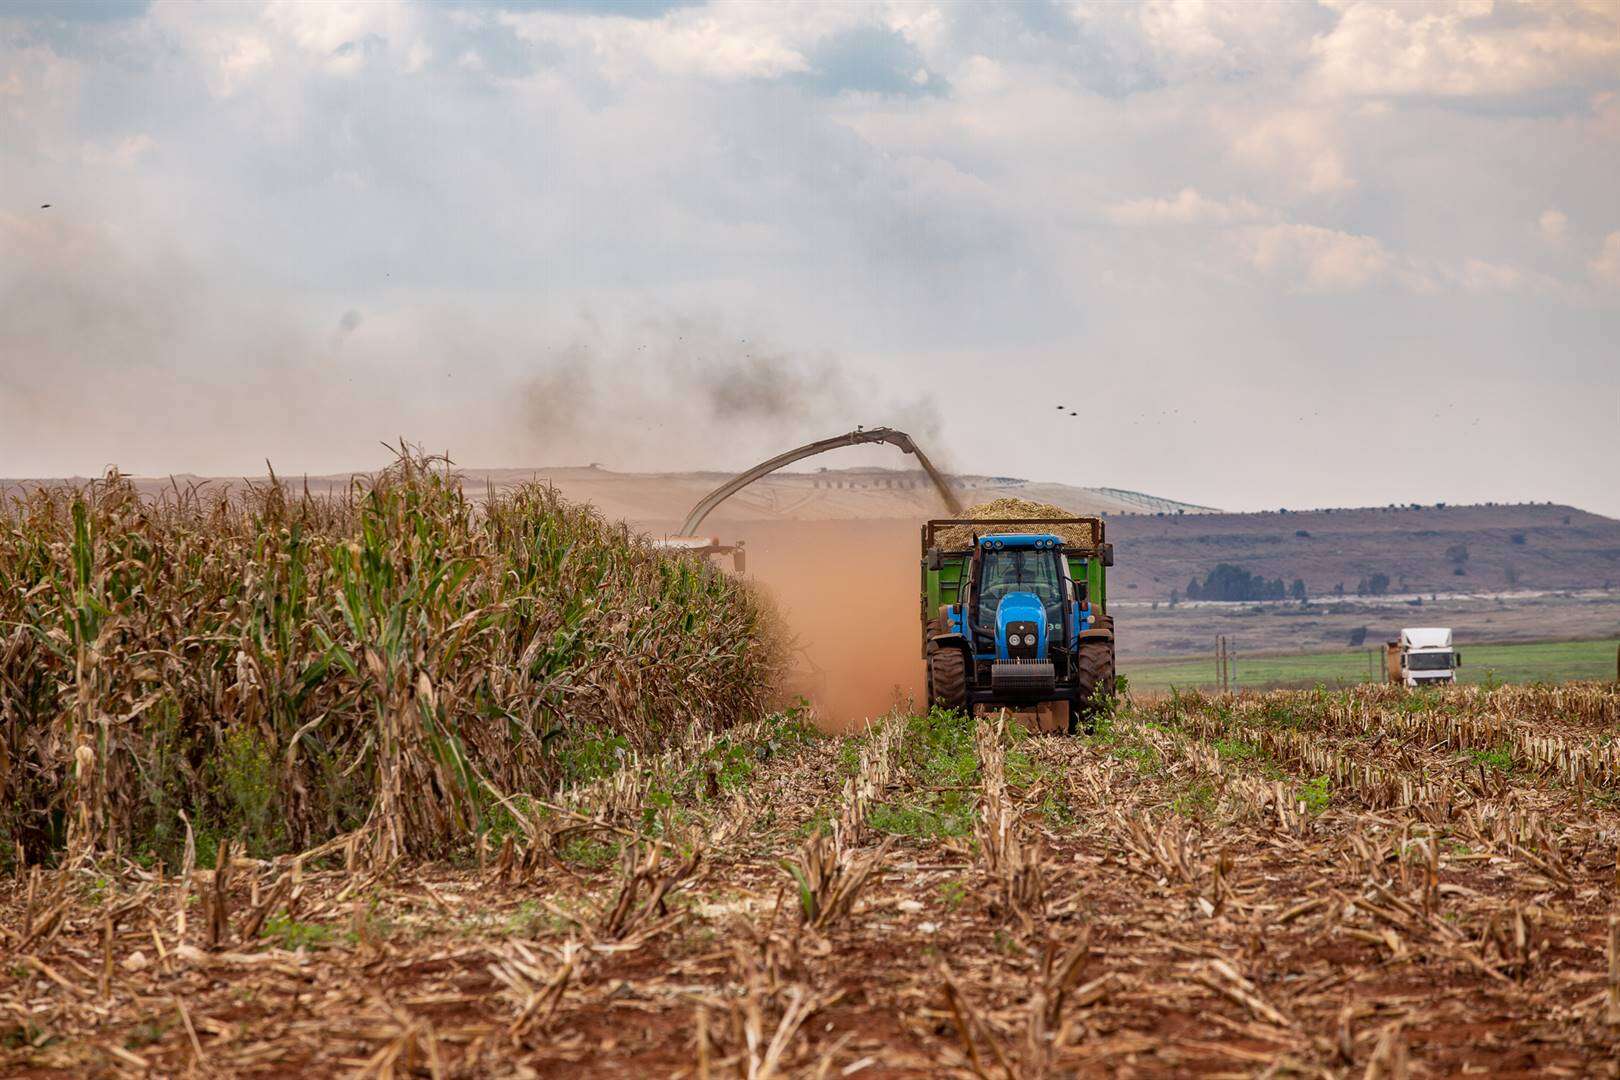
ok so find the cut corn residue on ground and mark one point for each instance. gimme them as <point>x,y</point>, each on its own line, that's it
<point>1312,883</point>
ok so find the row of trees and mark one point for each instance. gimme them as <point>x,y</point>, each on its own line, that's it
<point>1228,582</point>
<point>1373,585</point>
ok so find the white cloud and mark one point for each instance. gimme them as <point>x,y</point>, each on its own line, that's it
<point>1298,147</point>
<point>240,59</point>
<point>39,98</point>
<point>1467,48</point>
<point>1482,276</point>
<point>1314,259</point>
<point>1309,258</point>
<point>242,45</point>
<point>1605,265</point>
<point>472,178</point>
<point>1187,208</point>
<point>323,28</point>
<point>724,42</point>
<point>1182,29</point>
<point>122,152</point>
<point>1553,224</point>
<point>1186,40</point>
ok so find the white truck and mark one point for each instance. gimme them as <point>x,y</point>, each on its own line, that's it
<point>1423,656</point>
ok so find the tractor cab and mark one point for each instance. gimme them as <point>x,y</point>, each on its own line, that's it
<point>1017,597</point>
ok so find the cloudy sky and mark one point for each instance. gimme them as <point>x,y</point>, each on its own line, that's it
<point>1274,255</point>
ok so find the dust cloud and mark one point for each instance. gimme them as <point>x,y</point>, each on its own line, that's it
<point>670,393</point>
<point>105,330</point>
<point>850,593</point>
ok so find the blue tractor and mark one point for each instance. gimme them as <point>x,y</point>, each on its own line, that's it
<point>1015,614</point>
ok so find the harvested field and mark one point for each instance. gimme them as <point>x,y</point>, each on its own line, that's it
<point>1361,883</point>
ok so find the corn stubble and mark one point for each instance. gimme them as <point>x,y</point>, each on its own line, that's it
<point>285,668</point>
<point>1365,883</point>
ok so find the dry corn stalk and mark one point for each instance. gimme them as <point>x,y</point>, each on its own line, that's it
<point>1013,865</point>
<point>641,900</point>
<point>874,773</point>
<point>830,881</point>
<point>1612,996</point>
<point>383,658</point>
<point>536,992</point>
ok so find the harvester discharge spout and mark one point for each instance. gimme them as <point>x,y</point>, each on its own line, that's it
<point>854,438</point>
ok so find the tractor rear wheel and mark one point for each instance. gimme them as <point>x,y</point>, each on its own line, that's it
<point>1095,674</point>
<point>947,679</point>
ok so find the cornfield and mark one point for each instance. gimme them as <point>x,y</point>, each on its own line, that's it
<point>282,669</point>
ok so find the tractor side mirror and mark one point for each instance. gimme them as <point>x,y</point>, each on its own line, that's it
<point>1456,659</point>
<point>1108,554</point>
<point>934,562</point>
<point>739,558</point>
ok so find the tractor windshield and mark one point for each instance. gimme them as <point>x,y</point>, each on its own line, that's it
<point>1012,571</point>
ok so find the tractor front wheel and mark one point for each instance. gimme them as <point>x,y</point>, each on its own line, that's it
<point>947,679</point>
<point>1095,672</point>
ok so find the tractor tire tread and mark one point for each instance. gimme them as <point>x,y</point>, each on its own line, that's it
<point>947,679</point>
<point>1095,674</point>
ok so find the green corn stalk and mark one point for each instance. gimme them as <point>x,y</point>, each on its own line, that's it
<point>389,655</point>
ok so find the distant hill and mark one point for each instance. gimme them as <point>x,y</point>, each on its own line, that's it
<point>1420,550</point>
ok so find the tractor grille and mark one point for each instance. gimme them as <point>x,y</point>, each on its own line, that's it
<point>1022,639</point>
<point>1022,677</point>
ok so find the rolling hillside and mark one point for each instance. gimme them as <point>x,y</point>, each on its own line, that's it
<point>1508,548</point>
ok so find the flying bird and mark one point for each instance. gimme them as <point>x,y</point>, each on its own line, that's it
<point>44,206</point>
<point>1074,414</point>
